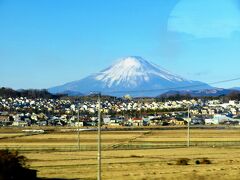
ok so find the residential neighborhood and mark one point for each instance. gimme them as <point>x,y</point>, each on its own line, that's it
<point>22,112</point>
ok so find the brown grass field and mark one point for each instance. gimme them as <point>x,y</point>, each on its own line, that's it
<point>142,154</point>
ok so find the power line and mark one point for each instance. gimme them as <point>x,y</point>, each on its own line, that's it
<point>150,90</point>
<point>173,88</point>
<point>223,81</point>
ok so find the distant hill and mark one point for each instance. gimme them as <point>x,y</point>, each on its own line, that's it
<point>201,93</point>
<point>8,92</point>
<point>236,88</point>
<point>72,93</point>
<point>30,93</point>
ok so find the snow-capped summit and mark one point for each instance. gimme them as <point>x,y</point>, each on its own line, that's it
<point>131,73</point>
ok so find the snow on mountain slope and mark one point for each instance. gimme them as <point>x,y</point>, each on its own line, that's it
<point>129,70</point>
<point>131,74</point>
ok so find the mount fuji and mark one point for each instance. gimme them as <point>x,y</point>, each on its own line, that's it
<point>131,75</point>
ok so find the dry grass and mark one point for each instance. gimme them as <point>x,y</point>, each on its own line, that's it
<point>9,135</point>
<point>131,164</point>
<point>139,164</point>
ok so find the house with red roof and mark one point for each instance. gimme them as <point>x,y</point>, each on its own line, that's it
<point>136,121</point>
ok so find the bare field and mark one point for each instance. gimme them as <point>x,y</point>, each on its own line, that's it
<point>147,154</point>
<point>8,135</point>
<point>139,164</point>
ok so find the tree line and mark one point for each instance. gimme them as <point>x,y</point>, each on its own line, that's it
<point>234,95</point>
<point>43,93</point>
<point>29,93</point>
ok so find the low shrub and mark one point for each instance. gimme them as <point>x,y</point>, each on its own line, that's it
<point>203,161</point>
<point>14,167</point>
<point>182,161</point>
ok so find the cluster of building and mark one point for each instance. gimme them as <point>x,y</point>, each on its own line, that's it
<point>59,112</point>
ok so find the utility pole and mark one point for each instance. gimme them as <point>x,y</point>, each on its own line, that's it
<point>78,128</point>
<point>99,137</point>
<point>188,130</point>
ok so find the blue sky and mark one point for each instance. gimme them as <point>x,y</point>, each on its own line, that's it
<point>44,43</point>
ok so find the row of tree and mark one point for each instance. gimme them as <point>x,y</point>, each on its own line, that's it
<point>235,95</point>
<point>43,93</point>
<point>29,93</point>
